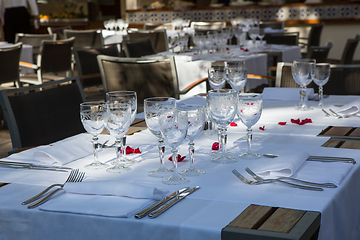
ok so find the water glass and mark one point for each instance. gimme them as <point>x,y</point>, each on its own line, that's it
<point>217,77</point>
<point>322,74</point>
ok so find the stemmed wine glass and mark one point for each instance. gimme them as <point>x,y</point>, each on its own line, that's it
<point>217,77</point>
<point>221,109</point>
<point>253,33</point>
<point>261,36</point>
<point>303,71</point>
<point>117,118</point>
<point>238,32</point>
<point>196,122</point>
<point>237,77</point>
<point>322,74</point>
<point>173,42</point>
<point>249,111</point>
<point>91,114</point>
<point>153,107</point>
<point>130,98</point>
<point>173,126</point>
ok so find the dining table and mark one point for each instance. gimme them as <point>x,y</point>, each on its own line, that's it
<point>282,130</point>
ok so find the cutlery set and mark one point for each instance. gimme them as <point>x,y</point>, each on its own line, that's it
<point>166,203</point>
<point>334,114</point>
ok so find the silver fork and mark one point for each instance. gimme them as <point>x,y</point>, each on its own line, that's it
<point>78,178</point>
<point>330,115</point>
<point>260,179</point>
<point>71,178</point>
<point>336,114</point>
<point>244,179</point>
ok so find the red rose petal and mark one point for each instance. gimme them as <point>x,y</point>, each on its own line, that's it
<point>262,128</point>
<point>233,124</point>
<point>297,121</point>
<point>215,146</point>
<point>130,150</point>
<point>180,158</point>
<point>227,49</point>
<point>282,123</point>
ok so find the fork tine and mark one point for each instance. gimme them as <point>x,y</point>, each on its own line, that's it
<point>72,175</point>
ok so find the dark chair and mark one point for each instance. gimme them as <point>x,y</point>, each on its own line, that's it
<point>9,64</point>
<point>138,47</point>
<point>343,80</point>
<point>149,77</point>
<point>43,114</point>
<point>59,31</point>
<point>348,52</point>
<point>320,54</point>
<point>291,38</point>
<point>55,57</point>
<point>313,38</point>
<point>34,40</point>
<point>87,65</point>
<point>158,38</point>
<point>85,38</point>
<point>272,24</point>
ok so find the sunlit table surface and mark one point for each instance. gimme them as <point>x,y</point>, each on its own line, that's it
<point>221,196</point>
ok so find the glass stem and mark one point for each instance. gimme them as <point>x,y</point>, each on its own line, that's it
<point>249,139</point>
<point>162,151</point>
<point>96,146</point>
<point>175,161</point>
<point>302,96</point>
<point>191,153</point>
<point>123,145</point>
<point>219,139</point>
<point>119,151</point>
<point>222,144</point>
<point>321,92</point>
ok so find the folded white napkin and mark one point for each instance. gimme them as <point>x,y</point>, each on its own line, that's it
<point>323,172</point>
<point>283,166</point>
<point>349,109</point>
<point>59,153</point>
<point>274,93</point>
<point>104,198</point>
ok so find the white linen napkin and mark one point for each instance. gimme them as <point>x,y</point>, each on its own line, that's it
<point>274,93</point>
<point>59,153</point>
<point>283,166</point>
<point>104,198</point>
<point>349,109</point>
<point>323,172</point>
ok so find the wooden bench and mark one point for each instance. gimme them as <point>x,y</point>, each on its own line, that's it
<point>269,223</point>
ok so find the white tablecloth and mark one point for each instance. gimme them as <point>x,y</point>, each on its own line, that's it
<point>222,196</point>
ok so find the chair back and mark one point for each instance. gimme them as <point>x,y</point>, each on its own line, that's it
<point>34,40</point>
<point>349,50</point>
<point>87,64</point>
<point>43,114</point>
<point>56,56</point>
<point>59,31</point>
<point>285,39</point>
<point>315,34</point>
<point>148,77</point>
<point>158,38</point>
<point>343,80</point>
<point>85,38</point>
<point>272,25</point>
<point>138,47</point>
<point>9,63</point>
<point>320,54</point>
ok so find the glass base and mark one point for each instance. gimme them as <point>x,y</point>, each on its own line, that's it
<point>162,172</point>
<point>125,161</point>
<point>118,169</point>
<point>96,165</point>
<point>175,180</point>
<point>249,156</point>
<point>192,172</point>
<point>303,108</point>
<point>223,159</point>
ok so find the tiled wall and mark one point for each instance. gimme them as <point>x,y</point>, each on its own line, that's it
<point>282,13</point>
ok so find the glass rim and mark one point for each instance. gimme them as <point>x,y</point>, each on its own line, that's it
<point>122,93</point>
<point>156,99</point>
<point>93,103</point>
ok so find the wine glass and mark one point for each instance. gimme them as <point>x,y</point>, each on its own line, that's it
<point>153,107</point>
<point>130,98</point>
<point>261,36</point>
<point>173,42</point>
<point>253,33</point>
<point>237,77</point>
<point>217,77</point>
<point>249,111</point>
<point>303,71</point>
<point>322,74</point>
<point>173,126</point>
<point>199,42</point>
<point>196,122</point>
<point>91,114</point>
<point>221,109</point>
<point>238,33</point>
<point>117,118</point>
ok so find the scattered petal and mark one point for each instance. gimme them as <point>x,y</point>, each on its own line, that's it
<point>215,146</point>
<point>227,49</point>
<point>282,123</point>
<point>180,158</point>
<point>130,150</point>
<point>302,122</point>
<point>233,124</point>
<point>262,128</point>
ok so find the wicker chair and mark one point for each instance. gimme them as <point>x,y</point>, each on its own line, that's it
<point>158,38</point>
<point>9,64</point>
<point>43,114</point>
<point>55,57</point>
<point>85,38</point>
<point>59,31</point>
<point>347,56</point>
<point>320,54</point>
<point>138,47</point>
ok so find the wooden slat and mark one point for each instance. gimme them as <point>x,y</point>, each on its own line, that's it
<point>351,144</point>
<point>252,217</point>
<point>338,131</point>
<point>355,133</point>
<point>282,220</point>
<point>332,143</point>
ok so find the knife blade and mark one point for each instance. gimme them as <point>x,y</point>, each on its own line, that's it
<point>31,165</point>
<point>172,202</point>
<point>145,212</point>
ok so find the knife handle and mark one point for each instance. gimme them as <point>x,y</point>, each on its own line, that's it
<point>144,212</point>
<point>165,207</point>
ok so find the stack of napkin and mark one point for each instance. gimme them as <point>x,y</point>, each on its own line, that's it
<point>104,198</point>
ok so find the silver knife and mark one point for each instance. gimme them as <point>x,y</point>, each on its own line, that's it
<point>145,212</point>
<point>331,159</point>
<point>31,165</point>
<point>171,203</point>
